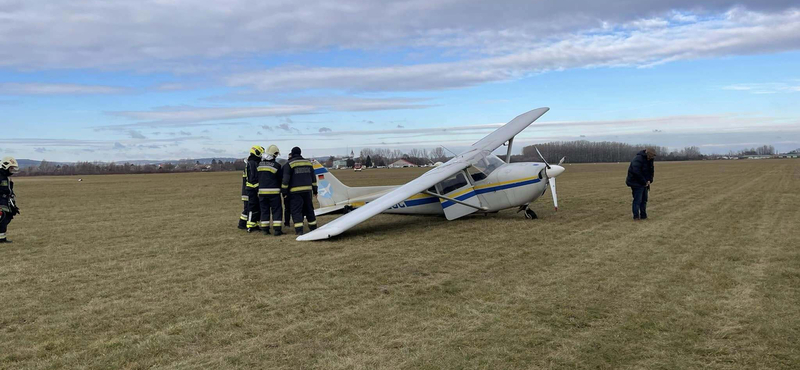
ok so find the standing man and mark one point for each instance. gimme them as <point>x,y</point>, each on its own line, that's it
<point>640,176</point>
<point>269,191</point>
<point>8,206</point>
<point>251,183</point>
<point>299,182</point>
<point>243,216</point>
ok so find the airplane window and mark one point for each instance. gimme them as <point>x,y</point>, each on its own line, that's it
<point>476,174</point>
<point>453,183</point>
<point>488,164</point>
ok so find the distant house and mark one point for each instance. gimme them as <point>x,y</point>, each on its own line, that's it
<point>340,163</point>
<point>759,156</point>
<point>401,163</point>
<point>789,155</point>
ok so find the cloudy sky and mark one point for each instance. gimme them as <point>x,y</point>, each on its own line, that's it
<point>168,79</point>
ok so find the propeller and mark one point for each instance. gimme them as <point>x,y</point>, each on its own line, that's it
<point>553,191</point>
<point>551,173</point>
<point>542,157</point>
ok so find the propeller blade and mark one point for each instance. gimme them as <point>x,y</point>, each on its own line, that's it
<point>542,157</point>
<point>553,190</point>
<point>561,161</point>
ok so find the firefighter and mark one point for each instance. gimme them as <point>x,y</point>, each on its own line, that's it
<point>269,191</point>
<point>243,216</point>
<point>251,183</point>
<point>8,206</point>
<point>299,183</point>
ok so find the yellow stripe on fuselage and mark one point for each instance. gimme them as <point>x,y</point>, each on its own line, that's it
<point>505,183</point>
<point>421,196</point>
<point>460,193</point>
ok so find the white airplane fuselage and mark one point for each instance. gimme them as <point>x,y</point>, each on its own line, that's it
<point>511,185</point>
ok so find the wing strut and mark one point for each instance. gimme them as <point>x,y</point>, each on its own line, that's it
<point>455,201</point>
<point>508,155</point>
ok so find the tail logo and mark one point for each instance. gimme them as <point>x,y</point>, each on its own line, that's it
<point>325,189</point>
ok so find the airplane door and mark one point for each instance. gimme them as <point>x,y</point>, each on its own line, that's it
<point>457,187</point>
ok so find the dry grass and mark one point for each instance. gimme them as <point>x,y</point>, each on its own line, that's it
<point>150,271</point>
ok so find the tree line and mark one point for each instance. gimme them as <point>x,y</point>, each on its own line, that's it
<point>46,168</point>
<point>581,151</point>
<point>380,157</point>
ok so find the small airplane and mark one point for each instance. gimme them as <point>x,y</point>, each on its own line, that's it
<point>473,181</point>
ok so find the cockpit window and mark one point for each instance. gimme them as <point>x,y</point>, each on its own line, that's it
<point>476,174</point>
<point>454,183</point>
<point>484,167</point>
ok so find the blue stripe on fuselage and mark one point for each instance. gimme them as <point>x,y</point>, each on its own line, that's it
<point>489,190</point>
<point>466,196</point>
<point>506,186</point>
<point>419,202</point>
<point>320,170</point>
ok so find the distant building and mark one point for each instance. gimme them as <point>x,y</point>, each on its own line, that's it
<point>788,155</point>
<point>759,156</point>
<point>400,163</point>
<point>340,163</point>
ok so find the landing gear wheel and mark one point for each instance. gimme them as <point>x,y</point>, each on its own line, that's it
<point>347,209</point>
<point>530,214</point>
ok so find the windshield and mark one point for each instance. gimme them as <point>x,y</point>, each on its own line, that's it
<point>483,167</point>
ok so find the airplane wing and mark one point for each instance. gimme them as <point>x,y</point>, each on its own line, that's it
<point>428,179</point>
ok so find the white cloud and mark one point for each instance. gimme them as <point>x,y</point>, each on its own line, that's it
<point>183,116</point>
<point>738,33</point>
<point>136,134</point>
<point>765,88</point>
<point>146,34</point>
<point>13,88</point>
<point>360,104</point>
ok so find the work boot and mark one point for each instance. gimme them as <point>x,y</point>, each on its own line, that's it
<point>265,231</point>
<point>278,231</point>
<point>312,227</point>
<point>5,241</point>
<point>298,230</point>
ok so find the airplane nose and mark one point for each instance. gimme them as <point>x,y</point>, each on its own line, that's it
<point>555,170</point>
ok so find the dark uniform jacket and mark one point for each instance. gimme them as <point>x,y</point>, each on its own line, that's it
<point>269,177</point>
<point>251,174</point>
<point>244,184</point>
<point>640,171</point>
<point>298,175</point>
<point>6,193</point>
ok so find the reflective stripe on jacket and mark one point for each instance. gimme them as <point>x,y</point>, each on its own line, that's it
<point>298,175</point>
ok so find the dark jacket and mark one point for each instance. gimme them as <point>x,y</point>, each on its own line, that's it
<point>244,184</point>
<point>298,175</point>
<point>269,177</point>
<point>251,174</point>
<point>6,191</point>
<point>640,171</point>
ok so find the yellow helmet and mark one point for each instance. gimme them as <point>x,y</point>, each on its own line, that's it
<point>257,150</point>
<point>9,164</point>
<point>273,151</point>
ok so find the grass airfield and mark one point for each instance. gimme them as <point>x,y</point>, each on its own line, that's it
<point>149,271</point>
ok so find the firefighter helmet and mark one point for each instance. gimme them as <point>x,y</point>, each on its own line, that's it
<point>9,164</point>
<point>257,150</point>
<point>273,151</point>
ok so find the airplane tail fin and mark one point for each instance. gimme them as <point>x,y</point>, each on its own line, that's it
<point>331,191</point>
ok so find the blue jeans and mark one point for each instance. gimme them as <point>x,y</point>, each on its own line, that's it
<point>639,205</point>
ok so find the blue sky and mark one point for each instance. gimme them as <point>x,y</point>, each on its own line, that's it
<point>169,79</point>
